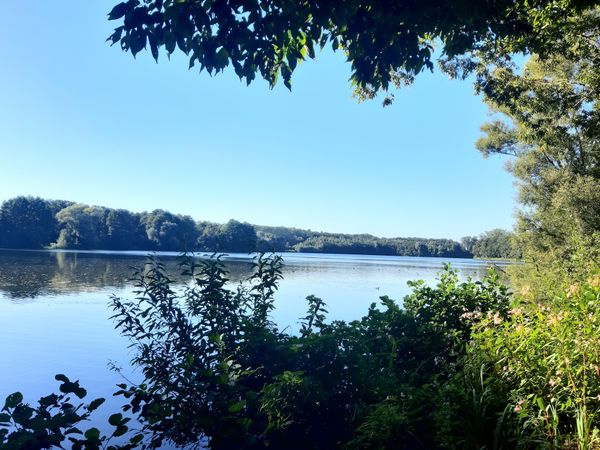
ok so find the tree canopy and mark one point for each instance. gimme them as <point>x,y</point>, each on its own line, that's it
<point>549,112</point>
<point>386,42</point>
<point>495,243</point>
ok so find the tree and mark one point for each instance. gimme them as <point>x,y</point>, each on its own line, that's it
<point>387,42</point>
<point>27,222</point>
<point>207,235</point>
<point>550,127</point>
<point>82,226</point>
<point>495,243</point>
<point>167,231</point>
<point>468,242</point>
<point>124,231</point>
<point>236,236</point>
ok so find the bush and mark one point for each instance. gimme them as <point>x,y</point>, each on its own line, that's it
<point>55,421</point>
<point>539,373</point>
<point>219,373</point>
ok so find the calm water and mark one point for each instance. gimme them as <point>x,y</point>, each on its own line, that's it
<point>54,315</point>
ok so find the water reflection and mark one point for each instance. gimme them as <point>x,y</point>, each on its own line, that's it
<point>31,274</point>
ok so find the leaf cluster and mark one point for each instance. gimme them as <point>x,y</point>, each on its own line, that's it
<point>387,43</point>
<point>56,421</point>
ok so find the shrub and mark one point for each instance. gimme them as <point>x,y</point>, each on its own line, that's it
<point>219,373</point>
<point>540,371</point>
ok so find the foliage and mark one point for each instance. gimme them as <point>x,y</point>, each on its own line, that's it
<point>386,43</point>
<point>541,371</point>
<point>55,421</point>
<point>124,231</point>
<point>280,239</point>
<point>371,245</point>
<point>79,226</point>
<point>237,237</point>
<point>495,243</point>
<point>219,373</point>
<point>454,306</point>
<point>167,231</point>
<point>549,126</point>
<point>27,222</point>
<point>307,241</point>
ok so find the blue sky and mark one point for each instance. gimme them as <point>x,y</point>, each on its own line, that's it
<point>83,121</point>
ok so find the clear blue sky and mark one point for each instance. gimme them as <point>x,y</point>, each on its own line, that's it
<point>83,121</point>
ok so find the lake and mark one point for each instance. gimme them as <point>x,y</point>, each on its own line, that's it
<point>54,316</point>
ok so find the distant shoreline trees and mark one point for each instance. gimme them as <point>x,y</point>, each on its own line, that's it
<point>35,223</point>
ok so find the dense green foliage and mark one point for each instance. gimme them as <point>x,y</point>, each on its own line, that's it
<point>386,42</point>
<point>549,126</point>
<point>493,244</point>
<point>218,370</point>
<point>367,244</point>
<point>54,421</point>
<point>31,223</point>
<point>27,222</point>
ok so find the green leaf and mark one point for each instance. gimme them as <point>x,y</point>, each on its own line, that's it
<point>115,419</point>
<point>118,11</point>
<point>137,42</point>
<point>22,414</point>
<point>13,400</point>
<point>121,430</point>
<point>222,57</point>
<point>237,407</point>
<point>48,400</point>
<point>93,434</point>
<point>95,404</point>
<point>61,377</point>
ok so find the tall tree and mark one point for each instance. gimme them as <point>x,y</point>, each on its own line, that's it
<point>495,243</point>
<point>170,232</point>
<point>27,222</point>
<point>82,226</point>
<point>124,230</point>
<point>550,125</point>
<point>236,236</point>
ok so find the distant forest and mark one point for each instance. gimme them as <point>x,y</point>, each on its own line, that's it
<point>35,223</point>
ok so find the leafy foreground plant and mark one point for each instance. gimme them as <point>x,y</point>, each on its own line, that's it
<point>532,381</point>
<point>53,423</point>
<point>219,374</point>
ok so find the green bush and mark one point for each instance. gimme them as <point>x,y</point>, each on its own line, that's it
<point>55,421</point>
<point>536,375</point>
<point>219,372</point>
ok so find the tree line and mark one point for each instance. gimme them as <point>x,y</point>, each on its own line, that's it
<point>35,223</point>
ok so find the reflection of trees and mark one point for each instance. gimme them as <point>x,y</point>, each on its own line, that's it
<point>29,274</point>
<point>33,274</point>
